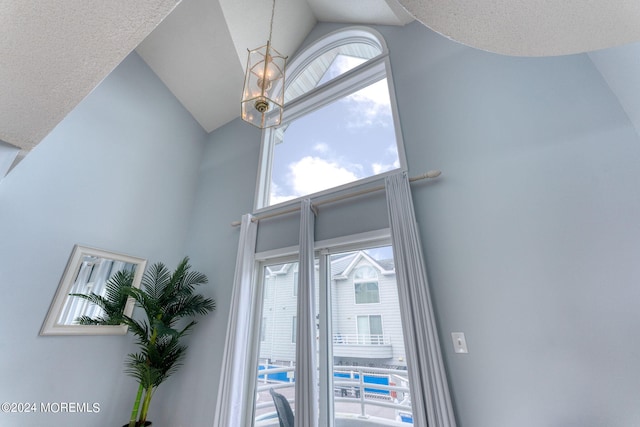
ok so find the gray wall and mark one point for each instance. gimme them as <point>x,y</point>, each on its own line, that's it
<point>118,173</point>
<point>530,235</point>
<point>224,193</point>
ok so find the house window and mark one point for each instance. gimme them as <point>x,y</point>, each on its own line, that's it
<point>340,124</point>
<point>370,330</point>
<point>365,284</point>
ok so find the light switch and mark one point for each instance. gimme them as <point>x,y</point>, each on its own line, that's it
<point>459,343</point>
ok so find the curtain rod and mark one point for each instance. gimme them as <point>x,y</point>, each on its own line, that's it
<point>429,175</point>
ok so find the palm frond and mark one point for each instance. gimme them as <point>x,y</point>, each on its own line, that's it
<point>116,285</point>
<point>154,280</point>
<point>86,320</point>
<point>112,303</point>
<point>189,305</point>
<point>138,368</point>
<point>138,328</point>
<point>171,288</point>
<point>187,329</point>
<point>189,281</point>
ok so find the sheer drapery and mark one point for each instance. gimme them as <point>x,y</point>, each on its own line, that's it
<point>431,400</point>
<point>306,351</point>
<point>232,391</point>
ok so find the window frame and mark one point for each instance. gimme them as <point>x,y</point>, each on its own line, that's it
<point>357,78</point>
<point>323,249</point>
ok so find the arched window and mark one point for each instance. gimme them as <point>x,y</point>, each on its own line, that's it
<point>340,123</point>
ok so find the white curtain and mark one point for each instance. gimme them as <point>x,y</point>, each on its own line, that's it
<point>431,400</point>
<point>233,399</point>
<point>306,413</point>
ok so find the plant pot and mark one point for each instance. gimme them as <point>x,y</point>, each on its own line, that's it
<point>146,423</point>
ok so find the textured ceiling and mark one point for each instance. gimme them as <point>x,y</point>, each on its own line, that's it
<point>532,27</point>
<point>55,52</point>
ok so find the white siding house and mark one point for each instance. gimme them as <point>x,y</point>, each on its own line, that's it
<point>366,323</point>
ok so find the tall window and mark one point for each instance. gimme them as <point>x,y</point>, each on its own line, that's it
<point>277,352</point>
<point>339,126</point>
<point>366,377</point>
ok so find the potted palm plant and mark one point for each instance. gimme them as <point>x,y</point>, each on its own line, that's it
<point>169,302</point>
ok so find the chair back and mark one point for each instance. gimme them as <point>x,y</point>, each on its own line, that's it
<point>285,414</point>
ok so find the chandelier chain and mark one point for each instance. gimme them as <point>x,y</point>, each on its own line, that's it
<point>273,9</point>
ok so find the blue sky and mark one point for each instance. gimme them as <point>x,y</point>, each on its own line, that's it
<point>349,139</point>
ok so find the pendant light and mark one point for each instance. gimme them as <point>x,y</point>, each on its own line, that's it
<point>263,92</point>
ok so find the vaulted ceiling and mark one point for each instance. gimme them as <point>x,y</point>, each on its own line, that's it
<point>53,53</point>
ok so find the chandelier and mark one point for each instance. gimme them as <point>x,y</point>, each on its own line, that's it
<point>263,92</point>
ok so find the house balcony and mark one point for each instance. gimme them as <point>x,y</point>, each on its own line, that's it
<point>363,397</point>
<point>362,346</point>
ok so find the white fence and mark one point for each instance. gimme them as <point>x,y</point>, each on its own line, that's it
<point>379,394</point>
<point>361,339</point>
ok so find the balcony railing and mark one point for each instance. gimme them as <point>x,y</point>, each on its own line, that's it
<point>363,396</point>
<point>361,339</point>
<point>366,346</point>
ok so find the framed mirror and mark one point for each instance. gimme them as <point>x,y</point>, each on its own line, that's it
<point>88,272</point>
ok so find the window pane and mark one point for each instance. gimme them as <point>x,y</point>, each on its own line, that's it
<point>277,354</point>
<point>367,293</point>
<point>277,348</point>
<point>328,66</point>
<point>369,363</point>
<point>363,326</point>
<point>342,142</point>
<point>375,325</point>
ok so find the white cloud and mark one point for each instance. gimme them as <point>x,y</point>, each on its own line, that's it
<point>274,199</point>
<point>370,105</point>
<point>310,175</point>
<point>313,174</point>
<point>379,167</point>
<point>276,195</point>
<point>382,167</point>
<point>376,95</point>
